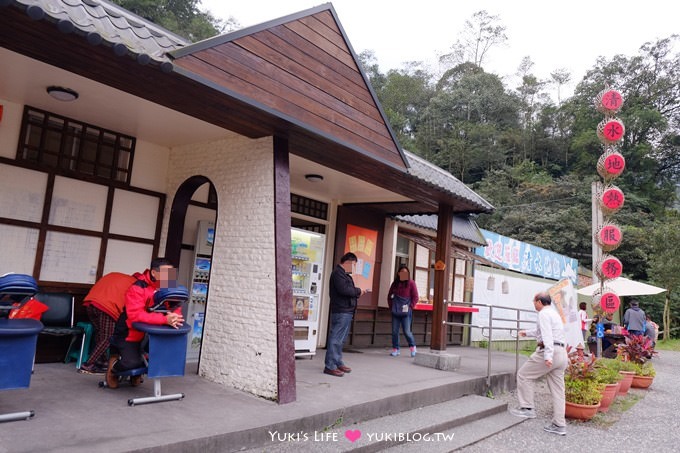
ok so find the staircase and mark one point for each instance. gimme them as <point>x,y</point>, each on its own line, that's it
<point>441,427</point>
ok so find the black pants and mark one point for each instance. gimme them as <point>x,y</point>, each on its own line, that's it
<point>130,355</point>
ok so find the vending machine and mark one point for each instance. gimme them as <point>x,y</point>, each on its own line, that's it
<point>307,250</point>
<point>198,294</point>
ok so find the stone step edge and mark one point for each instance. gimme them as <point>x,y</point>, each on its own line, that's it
<point>466,434</point>
<point>475,408</point>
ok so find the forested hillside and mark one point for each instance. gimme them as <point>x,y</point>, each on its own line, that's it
<point>534,155</point>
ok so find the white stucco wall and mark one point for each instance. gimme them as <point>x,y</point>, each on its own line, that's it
<point>239,345</point>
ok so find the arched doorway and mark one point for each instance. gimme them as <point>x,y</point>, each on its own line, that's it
<point>191,232</point>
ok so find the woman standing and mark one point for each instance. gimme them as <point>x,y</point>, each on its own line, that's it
<point>402,297</point>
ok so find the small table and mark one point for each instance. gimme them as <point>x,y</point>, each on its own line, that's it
<point>167,357</point>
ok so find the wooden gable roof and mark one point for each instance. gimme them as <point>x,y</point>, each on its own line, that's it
<point>300,68</point>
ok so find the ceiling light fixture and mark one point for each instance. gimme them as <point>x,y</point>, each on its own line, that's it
<point>62,94</point>
<point>314,178</point>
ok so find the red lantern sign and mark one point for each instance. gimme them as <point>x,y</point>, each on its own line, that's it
<point>612,198</point>
<point>611,100</point>
<point>609,302</point>
<point>614,164</point>
<point>610,236</point>
<point>610,130</point>
<point>611,267</point>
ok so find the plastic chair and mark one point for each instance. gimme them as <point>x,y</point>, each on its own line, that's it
<point>58,320</point>
<point>81,356</point>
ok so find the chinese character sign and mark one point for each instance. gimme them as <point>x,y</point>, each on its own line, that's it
<point>611,267</point>
<point>609,302</point>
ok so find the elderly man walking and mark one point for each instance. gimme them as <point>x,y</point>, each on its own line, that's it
<point>549,360</point>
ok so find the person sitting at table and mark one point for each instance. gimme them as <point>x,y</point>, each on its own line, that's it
<point>126,343</point>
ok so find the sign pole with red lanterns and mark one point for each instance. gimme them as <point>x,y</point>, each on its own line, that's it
<point>607,200</point>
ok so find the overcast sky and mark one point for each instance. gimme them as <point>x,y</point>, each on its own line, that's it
<point>566,34</point>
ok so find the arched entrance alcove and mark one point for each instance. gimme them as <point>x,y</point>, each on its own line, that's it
<point>193,217</point>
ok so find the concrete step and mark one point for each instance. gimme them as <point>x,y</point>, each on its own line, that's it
<point>461,436</point>
<point>438,427</point>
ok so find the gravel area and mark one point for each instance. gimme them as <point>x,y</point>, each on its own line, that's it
<point>643,420</point>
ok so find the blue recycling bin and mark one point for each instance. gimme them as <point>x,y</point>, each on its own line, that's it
<point>167,348</point>
<point>18,338</point>
<point>167,356</point>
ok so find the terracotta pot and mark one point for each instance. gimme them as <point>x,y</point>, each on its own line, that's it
<point>642,382</point>
<point>608,395</point>
<point>625,383</point>
<point>580,411</point>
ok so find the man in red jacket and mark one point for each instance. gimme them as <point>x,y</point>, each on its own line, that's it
<point>126,350</point>
<point>104,304</point>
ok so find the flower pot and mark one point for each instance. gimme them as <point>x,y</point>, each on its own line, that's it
<point>641,382</point>
<point>608,395</point>
<point>625,382</point>
<point>580,411</point>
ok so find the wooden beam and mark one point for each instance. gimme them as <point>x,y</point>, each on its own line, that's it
<point>441,277</point>
<point>285,330</point>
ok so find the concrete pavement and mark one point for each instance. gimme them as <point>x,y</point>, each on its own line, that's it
<point>74,415</point>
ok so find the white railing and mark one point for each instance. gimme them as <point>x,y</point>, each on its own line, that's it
<point>487,330</point>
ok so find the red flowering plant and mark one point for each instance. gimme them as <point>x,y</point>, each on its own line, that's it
<point>638,350</point>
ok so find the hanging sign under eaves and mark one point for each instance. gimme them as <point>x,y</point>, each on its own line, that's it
<point>526,258</point>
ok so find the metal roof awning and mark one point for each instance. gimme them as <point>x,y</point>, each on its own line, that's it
<point>457,252</point>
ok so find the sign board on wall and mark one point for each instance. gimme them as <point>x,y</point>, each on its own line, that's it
<point>526,258</point>
<point>362,242</point>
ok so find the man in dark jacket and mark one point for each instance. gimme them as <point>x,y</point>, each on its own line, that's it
<point>634,319</point>
<point>343,304</point>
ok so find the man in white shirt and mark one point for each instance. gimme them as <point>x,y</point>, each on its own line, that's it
<point>550,360</point>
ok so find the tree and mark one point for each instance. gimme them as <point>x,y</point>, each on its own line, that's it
<point>665,266</point>
<point>180,16</point>
<point>465,128</point>
<point>481,33</point>
<point>560,77</point>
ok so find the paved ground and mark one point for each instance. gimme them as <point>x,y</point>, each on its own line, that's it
<point>651,424</point>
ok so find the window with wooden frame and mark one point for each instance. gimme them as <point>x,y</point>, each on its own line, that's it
<point>54,141</point>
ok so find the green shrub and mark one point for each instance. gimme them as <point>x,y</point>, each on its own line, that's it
<point>583,391</point>
<point>606,374</point>
<point>645,369</point>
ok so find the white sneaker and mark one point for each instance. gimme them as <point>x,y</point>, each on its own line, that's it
<point>523,412</point>
<point>554,429</point>
<point>394,353</point>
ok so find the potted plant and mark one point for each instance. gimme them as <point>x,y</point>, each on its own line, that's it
<point>644,375</point>
<point>582,391</point>
<point>625,369</point>
<point>611,379</point>
<point>638,350</point>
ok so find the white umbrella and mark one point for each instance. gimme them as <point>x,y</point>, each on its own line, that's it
<point>623,287</point>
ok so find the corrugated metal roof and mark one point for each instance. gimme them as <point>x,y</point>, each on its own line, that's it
<point>437,177</point>
<point>104,22</point>
<point>464,228</point>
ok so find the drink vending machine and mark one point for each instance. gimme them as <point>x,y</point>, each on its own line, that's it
<point>307,250</point>
<point>198,296</point>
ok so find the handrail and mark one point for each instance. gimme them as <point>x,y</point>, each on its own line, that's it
<point>490,328</point>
